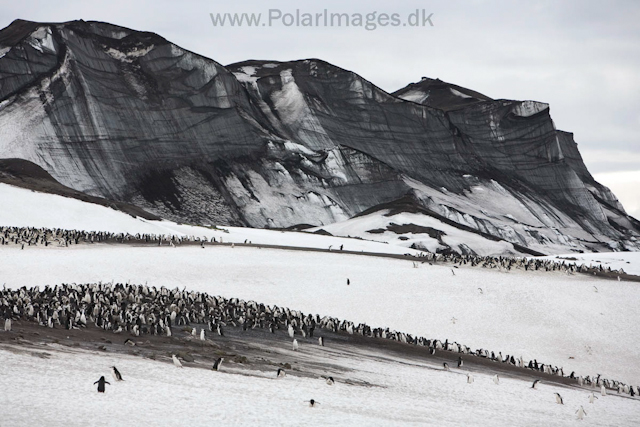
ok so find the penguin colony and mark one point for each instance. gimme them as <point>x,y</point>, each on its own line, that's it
<point>30,236</point>
<point>144,310</point>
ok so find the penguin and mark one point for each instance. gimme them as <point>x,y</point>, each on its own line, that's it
<point>469,379</point>
<point>312,403</point>
<point>559,400</point>
<point>291,331</point>
<point>535,384</point>
<point>592,397</point>
<point>101,382</point>
<point>321,341</point>
<point>194,332</point>
<point>460,363</point>
<point>129,342</point>
<point>7,325</point>
<point>218,363</point>
<point>202,335</point>
<point>168,331</point>
<point>295,345</point>
<point>219,328</point>
<point>176,362</point>
<point>329,380</point>
<point>116,374</point>
<point>281,373</point>
<point>348,282</point>
<point>496,379</point>
<point>432,351</point>
<point>581,413</point>
<point>445,365</point>
<point>603,390</point>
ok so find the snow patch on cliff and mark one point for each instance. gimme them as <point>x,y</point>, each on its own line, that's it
<point>189,61</point>
<point>129,55</point>
<point>246,75</point>
<point>415,95</point>
<point>42,40</point>
<point>459,94</point>
<point>529,108</point>
<point>292,109</point>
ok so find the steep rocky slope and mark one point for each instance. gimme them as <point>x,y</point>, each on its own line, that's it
<point>129,116</point>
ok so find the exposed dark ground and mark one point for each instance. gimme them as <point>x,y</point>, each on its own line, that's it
<point>25,174</point>
<point>258,351</point>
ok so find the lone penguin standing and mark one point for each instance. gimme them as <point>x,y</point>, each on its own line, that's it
<point>581,413</point>
<point>116,374</point>
<point>176,362</point>
<point>101,382</point>
<point>218,364</point>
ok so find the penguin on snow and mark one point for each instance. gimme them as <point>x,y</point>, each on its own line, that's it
<point>116,374</point>
<point>101,382</point>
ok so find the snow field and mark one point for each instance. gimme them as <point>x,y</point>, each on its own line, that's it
<point>31,209</point>
<point>59,391</point>
<point>628,261</point>
<point>549,316</point>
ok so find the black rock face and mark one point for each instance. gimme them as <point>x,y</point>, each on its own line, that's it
<point>129,116</point>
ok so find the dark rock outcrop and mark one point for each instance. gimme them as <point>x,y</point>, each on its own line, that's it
<point>129,116</point>
<point>24,174</point>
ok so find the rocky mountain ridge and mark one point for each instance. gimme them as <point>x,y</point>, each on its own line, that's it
<point>131,117</point>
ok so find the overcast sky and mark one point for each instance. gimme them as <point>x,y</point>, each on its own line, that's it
<point>580,56</point>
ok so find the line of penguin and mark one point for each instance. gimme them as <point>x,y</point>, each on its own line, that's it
<point>31,236</point>
<point>144,310</point>
<point>509,263</point>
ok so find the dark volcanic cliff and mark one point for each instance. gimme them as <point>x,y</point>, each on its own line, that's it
<point>129,116</point>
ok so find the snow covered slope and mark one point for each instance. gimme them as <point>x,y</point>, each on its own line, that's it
<point>558,319</point>
<point>402,392</point>
<point>25,208</point>
<point>418,231</point>
<point>628,261</point>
